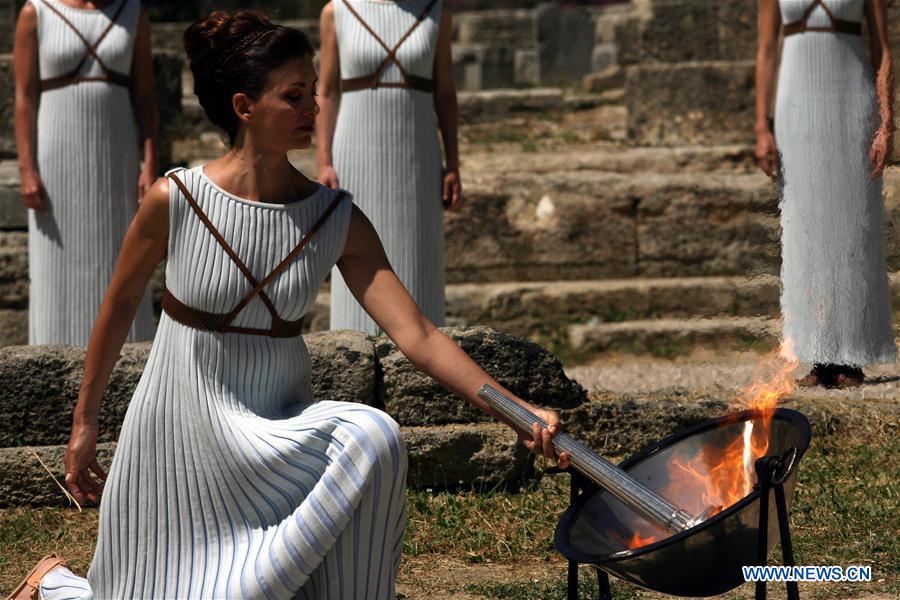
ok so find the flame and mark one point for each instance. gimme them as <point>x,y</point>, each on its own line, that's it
<point>715,478</point>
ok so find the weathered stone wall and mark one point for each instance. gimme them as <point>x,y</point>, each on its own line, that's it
<point>449,443</point>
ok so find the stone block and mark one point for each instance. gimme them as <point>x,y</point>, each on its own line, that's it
<point>540,229</point>
<point>564,41</point>
<point>718,224</point>
<point>523,367</point>
<point>691,103</point>
<point>737,29</point>
<point>167,68</point>
<point>604,56</point>
<point>344,366</point>
<point>627,39</point>
<point>483,67</point>
<point>680,30</point>
<point>8,16</point>
<point>7,107</point>
<point>13,327</point>
<point>491,105</point>
<point>451,456</point>
<point>507,28</point>
<point>525,68</point>
<point>467,67</point>
<point>610,78</point>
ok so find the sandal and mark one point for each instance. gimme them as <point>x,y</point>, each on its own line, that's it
<point>849,377</point>
<point>30,586</point>
<point>823,375</point>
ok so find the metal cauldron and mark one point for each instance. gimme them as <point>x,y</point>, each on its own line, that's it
<point>705,560</point>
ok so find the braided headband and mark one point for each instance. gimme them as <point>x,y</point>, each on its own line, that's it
<point>249,39</point>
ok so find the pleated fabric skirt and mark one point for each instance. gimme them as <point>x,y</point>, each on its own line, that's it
<point>835,295</point>
<point>216,493</point>
<point>386,153</point>
<point>87,154</point>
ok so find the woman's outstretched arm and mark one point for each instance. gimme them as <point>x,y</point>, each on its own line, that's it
<point>882,62</point>
<point>143,248</point>
<point>372,281</point>
<point>766,61</point>
<point>329,97</point>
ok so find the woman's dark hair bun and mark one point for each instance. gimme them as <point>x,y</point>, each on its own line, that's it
<point>234,53</point>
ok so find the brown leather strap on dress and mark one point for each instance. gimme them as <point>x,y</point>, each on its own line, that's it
<point>73,77</point>
<point>423,84</point>
<point>206,321</point>
<point>837,25</point>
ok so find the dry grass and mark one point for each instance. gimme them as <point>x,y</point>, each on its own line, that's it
<point>498,544</point>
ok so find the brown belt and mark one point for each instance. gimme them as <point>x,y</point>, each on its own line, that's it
<point>74,78</point>
<point>371,82</point>
<point>837,26</point>
<point>220,322</point>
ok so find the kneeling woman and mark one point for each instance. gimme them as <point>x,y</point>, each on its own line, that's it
<point>230,479</point>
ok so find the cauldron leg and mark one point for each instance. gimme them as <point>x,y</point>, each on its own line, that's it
<point>572,589</point>
<point>787,548</point>
<point>764,479</point>
<point>603,583</point>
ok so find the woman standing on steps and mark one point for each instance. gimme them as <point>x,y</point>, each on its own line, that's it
<point>832,138</point>
<point>83,74</point>
<point>229,478</point>
<point>387,64</point>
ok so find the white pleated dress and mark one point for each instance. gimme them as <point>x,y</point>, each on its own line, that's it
<point>387,153</point>
<point>229,479</point>
<point>835,297</point>
<point>87,155</point>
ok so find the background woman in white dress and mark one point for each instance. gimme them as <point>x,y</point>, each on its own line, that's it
<point>83,74</point>
<point>229,478</point>
<point>386,88</point>
<point>832,138</point>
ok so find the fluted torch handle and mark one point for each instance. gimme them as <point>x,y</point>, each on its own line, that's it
<point>647,503</point>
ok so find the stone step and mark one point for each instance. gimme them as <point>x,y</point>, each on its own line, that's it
<point>41,383</point>
<point>668,338</point>
<point>543,308</point>
<point>479,455</point>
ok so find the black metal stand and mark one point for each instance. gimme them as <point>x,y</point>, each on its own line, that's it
<point>579,484</point>
<point>771,472</point>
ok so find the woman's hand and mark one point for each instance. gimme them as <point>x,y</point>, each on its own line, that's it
<point>145,181</point>
<point>32,190</point>
<point>767,153</point>
<point>881,150</point>
<point>328,177</point>
<point>452,190</point>
<point>541,440</point>
<point>84,476</point>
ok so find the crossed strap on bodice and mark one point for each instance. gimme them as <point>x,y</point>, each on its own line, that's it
<point>74,76</point>
<point>837,25</point>
<point>221,322</point>
<point>372,81</point>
